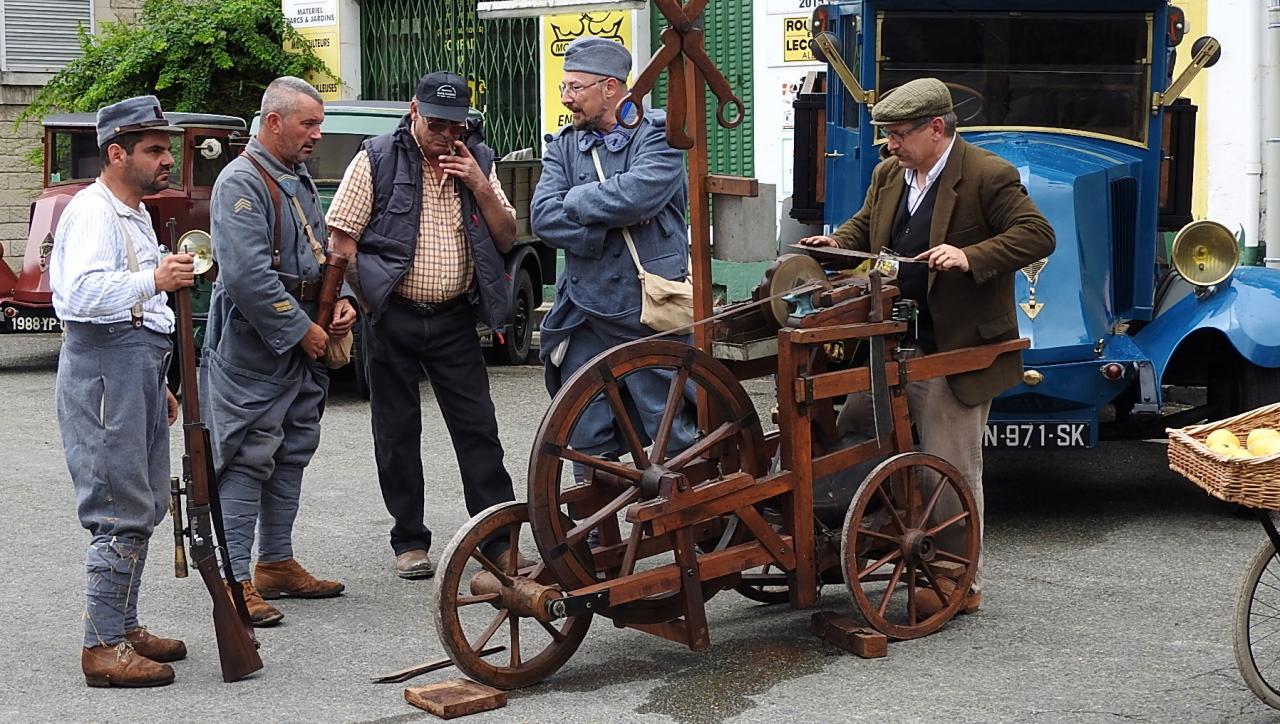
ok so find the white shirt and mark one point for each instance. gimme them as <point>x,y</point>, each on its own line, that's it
<point>916,195</point>
<point>89,271</point>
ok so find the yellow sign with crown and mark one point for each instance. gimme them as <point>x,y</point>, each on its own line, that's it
<point>560,30</point>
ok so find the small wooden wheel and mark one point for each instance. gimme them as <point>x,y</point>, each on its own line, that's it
<point>563,512</point>
<point>767,584</point>
<point>469,623</point>
<point>894,548</point>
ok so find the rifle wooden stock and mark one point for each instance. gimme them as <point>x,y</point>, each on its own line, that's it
<point>237,648</point>
<point>334,268</point>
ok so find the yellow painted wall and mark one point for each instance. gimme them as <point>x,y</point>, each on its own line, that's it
<point>1198,21</point>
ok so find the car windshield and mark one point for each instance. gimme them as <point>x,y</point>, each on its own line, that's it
<point>1079,72</point>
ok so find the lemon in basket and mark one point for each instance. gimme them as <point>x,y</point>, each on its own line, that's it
<point>1222,439</point>
<point>1267,445</point>
<point>1238,453</point>
<point>1258,437</point>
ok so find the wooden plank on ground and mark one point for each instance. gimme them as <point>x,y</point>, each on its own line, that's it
<point>844,632</point>
<point>455,697</point>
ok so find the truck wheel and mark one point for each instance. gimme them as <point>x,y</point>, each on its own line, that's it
<point>1258,386</point>
<point>359,360</point>
<point>515,351</point>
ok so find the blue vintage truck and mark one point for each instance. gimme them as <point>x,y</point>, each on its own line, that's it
<point>1130,333</point>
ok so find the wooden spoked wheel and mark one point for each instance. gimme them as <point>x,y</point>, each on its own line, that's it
<point>896,545</point>
<point>469,623</point>
<point>767,584</point>
<point>563,512</point>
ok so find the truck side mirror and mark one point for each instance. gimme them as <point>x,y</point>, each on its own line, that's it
<point>1204,53</point>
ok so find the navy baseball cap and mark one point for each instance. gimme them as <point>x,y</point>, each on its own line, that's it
<point>140,113</point>
<point>443,95</point>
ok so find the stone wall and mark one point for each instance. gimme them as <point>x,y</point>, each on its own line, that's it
<point>20,180</point>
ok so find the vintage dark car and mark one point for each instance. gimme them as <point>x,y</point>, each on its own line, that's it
<point>71,163</point>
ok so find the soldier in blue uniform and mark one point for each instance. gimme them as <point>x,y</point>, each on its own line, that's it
<point>264,387</point>
<point>109,282</point>
<point>598,295</point>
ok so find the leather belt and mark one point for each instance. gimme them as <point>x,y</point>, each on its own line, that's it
<point>429,309</point>
<point>305,291</point>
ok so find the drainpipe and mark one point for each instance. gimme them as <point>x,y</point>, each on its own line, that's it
<point>1271,132</point>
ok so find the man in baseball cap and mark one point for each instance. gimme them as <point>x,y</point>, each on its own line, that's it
<point>959,224</point>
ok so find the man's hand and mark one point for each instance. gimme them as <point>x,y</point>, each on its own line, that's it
<point>175,271</point>
<point>945,257</point>
<point>818,241</point>
<point>314,342</point>
<point>344,318</point>
<point>171,403</point>
<point>463,167</point>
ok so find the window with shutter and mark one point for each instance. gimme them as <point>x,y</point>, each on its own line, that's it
<point>39,36</point>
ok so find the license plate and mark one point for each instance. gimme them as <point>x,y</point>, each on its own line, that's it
<point>28,321</point>
<point>1037,435</point>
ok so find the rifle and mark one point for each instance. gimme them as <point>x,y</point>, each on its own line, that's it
<point>237,647</point>
<point>333,269</point>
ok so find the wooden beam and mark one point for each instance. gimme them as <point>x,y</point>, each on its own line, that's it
<point>732,185</point>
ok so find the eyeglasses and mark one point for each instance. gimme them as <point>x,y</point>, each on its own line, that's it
<point>440,125</point>
<point>900,136</point>
<point>573,90</point>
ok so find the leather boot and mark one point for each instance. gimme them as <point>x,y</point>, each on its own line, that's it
<point>155,648</point>
<point>277,579</point>
<point>261,613</point>
<point>120,665</point>
<point>928,603</point>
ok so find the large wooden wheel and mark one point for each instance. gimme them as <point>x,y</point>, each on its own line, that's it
<point>894,546</point>
<point>469,622</point>
<point>563,512</point>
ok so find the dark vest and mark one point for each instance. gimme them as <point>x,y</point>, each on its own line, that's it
<point>389,241</point>
<point>909,237</point>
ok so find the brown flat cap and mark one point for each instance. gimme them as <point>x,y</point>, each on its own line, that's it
<point>920,98</point>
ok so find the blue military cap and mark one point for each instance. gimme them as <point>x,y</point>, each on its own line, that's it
<point>598,56</point>
<point>140,113</point>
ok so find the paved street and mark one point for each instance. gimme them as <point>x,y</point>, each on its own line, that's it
<point>1110,595</point>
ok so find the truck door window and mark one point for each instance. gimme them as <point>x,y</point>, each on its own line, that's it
<point>332,155</point>
<point>1083,72</point>
<point>852,57</point>
<point>204,171</point>
<point>74,157</point>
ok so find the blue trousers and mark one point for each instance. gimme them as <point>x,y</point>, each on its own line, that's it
<point>114,423</point>
<point>264,430</point>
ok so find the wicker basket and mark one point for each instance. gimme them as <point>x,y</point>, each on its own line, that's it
<point>1253,481</point>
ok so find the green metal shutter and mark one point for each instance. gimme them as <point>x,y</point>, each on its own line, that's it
<point>402,40</point>
<point>728,37</point>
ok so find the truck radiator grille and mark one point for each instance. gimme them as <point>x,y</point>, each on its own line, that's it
<point>1124,229</point>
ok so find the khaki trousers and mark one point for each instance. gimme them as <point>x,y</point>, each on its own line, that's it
<point>947,428</point>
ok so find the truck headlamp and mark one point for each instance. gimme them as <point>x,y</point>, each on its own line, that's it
<point>1205,253</point>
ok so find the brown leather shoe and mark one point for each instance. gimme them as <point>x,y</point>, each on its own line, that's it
<point>261,613</point>
<point>414,564</point>
<point>120,665</point>
<point>277,579</point>
<point>155,648</point>
<point>928,603</point>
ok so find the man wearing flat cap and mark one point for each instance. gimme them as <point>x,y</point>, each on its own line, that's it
<point>423,222</point>
<point>962,213</point>
<point>114,410</point>
<point>640,191</point>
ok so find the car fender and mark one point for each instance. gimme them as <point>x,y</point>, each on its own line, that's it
<point>1244,310</point>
